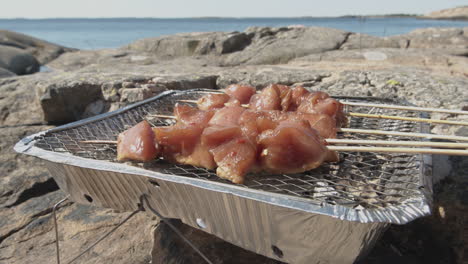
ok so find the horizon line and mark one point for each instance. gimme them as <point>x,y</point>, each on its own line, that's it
<point>220,17</point>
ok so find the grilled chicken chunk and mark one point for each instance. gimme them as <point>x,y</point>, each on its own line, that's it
<point>137,143</point>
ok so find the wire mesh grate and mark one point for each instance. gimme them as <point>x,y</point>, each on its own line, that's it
<point>370,180</point>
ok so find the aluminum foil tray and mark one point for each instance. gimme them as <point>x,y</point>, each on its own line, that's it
<point>333,214</point>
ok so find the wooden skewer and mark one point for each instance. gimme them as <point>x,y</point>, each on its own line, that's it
<point>413,119</point>
<point>188,101</point>
<point>196,102</point>
<point>401,150</point>
<point>411,108</point>
<point>397,143</point>
<point>163,116</point>
<point>99,141</point>
<point>402,134</point>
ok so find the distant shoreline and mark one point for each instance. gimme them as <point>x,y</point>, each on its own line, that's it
<point>215,18</point>
<point>462,18</point>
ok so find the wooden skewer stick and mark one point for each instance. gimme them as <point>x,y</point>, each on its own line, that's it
<point>411,108</point>
<point>413,119</point>
<point>196,102</point>
<point>163,116</point>
<point>402,134</point>
<point>397,143</point>
<point>188,101</point>
<point>99,141</point>
<point>401,150</point>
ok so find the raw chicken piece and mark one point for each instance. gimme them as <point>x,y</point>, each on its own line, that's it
<point>241,93</point>
<point>200,157</point>
<point>216,135</point>
<point>298,93</point>
<point>179,139</point>
<point>227,116</point>
<point>291,147</point>
<point>234,159</point>
<point>321,103</point>
<point>180,142</point>
<point>189,115</point>
<point>212,101</point>
<point>285,94</point>
<point>137,143</point>
<point>267,99</point>
<point>324,124</point>
<point>233,153</point>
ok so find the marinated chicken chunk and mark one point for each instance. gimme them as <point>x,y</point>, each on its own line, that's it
<point>212,101</point>
<point>291,147</point>
<point>137,143</point>
<point>241,93</point>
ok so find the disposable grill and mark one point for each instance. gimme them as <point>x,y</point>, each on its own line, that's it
<point>334,213</point>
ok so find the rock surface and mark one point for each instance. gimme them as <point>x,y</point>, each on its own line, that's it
<point>42,50</point>
<point>17,61</point>
<point>425,67</point>
<point>22,54</point>
<point>460,13</point>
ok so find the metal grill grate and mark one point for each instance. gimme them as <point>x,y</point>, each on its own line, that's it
<point>368,180</point>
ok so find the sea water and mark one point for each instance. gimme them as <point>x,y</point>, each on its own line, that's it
<point>116,32</point>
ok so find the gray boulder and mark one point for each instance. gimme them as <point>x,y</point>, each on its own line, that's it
<point>453,41</point>
<point>280,45</point>
<point>18,61</point>
<point>190,44</point>
<point>43,51</point>
<point>6,73</point>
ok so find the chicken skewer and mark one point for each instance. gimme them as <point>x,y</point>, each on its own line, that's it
<point>333,141</point>
<point>283,133</point>
<point>413,119</point>
<point>385,106</point>
<point>284,98</point>
<point>375,132</point>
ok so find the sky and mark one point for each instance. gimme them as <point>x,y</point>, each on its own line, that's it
<point>216,8</point>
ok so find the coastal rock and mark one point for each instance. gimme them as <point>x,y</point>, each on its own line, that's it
<point>42,50</point>
<point>261,76</point>
<point>70,96</point>
<point>457,13</point>
<point>66,101</point>
<point>190,44</point>
<point>364,41</point>
<point>17,61</point>
<point>381,58</point>
<point>31,236</point>
<point>451,40</point>
<point>280,45</point>
<point>6,73</point>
